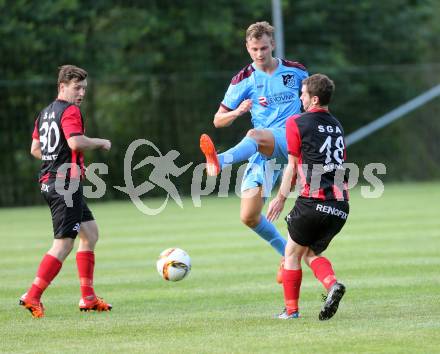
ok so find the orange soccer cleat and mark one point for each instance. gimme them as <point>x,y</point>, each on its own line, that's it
<point>96,304</point>
<point>35,307</point>
<point>208,149</point>
<point>280,271</point>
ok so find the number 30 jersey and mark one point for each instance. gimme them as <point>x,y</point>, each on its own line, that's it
<point>55,124</point>
<point>317,139</point>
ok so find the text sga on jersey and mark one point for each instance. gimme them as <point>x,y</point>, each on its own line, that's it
<point>329,129</point>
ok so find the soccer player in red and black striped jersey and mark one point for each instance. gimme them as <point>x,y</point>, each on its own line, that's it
<point>315,142</point>
<point>59,141</point>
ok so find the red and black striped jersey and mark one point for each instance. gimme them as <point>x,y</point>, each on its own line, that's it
<point>317,139</point>
<point>55,124</point>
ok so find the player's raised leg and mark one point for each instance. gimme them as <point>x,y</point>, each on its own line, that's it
<point>47,271</point>
<point>85,260</point>
<point>240,152</point>
<point>261,140</point>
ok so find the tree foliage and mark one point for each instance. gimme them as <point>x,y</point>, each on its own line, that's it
<point>158,70</point>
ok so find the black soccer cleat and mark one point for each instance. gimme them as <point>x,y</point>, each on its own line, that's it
<point>332,300</point>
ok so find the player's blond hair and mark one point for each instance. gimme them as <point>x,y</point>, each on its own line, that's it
<point>68,73</point>
<point>258,29</point>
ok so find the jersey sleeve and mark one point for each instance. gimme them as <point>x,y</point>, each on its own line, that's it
<point>293,136</point>
<point>235,94</point>
<point>71,122</point>
<point>35,133</point>
<point>303,74</point>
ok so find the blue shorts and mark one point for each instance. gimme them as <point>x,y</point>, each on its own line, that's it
<point>264,171</point>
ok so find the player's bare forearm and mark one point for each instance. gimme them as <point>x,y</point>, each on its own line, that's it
<point>36,149</point>
<point>289,176</point>
<point>82,142</point>
<point>276,206</point>
<point>224,119</point>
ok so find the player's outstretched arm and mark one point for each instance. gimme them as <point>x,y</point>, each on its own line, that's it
<point>82,142</point>
<point>276,206</point>
<point>224,118</point>
<point>36,149</point>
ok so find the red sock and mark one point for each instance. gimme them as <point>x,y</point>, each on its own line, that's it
<point>47,271</point>
<point>322,268</point>
<point>85,260</point>
<point>291,284</point>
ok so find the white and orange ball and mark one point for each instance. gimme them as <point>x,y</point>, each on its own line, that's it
<point>173,264</point>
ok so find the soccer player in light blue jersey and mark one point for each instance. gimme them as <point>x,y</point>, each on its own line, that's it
<point>269,88</point>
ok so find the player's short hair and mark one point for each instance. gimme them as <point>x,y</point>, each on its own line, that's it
<point>258,29</point>
<point>68,73</point>
<point>321,86</point>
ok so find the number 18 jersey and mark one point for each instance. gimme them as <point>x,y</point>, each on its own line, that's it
<point>55,124</point>
<point>317,139</point>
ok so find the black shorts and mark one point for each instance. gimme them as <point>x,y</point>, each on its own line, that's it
<point>66,220</point>
<point>314,223</point>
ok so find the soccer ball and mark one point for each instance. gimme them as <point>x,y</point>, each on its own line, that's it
<point>173,264</point>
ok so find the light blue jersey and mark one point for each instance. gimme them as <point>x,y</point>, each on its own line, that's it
<point>274,97</point>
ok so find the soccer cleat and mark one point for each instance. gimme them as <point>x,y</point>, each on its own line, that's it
<point>280,271</point>
<point>208,149</point>
<point>285,316</point>
<point>97,304</point>
<point>332,300</point>
<point>36,308</point>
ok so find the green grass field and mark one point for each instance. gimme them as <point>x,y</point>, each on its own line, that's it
<point>388,255</point>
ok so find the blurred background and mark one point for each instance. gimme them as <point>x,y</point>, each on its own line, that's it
<point>159,69</point>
